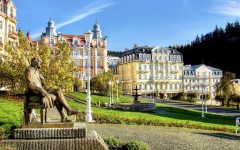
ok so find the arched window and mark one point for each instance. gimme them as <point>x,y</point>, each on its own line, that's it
<point>11,11</point>
<point>140,56</point>
<point>75,42</point>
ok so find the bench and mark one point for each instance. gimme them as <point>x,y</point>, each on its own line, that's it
<point>34,101</point>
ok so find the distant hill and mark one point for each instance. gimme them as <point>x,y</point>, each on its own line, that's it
<point>219,49</point>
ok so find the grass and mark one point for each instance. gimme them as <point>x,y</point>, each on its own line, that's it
<point>103,99</point>
<point>171,116</point>
<point>11,116</point>
<point>11,112</point>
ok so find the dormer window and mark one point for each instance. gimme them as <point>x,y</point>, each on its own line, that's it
<point>75,42</point>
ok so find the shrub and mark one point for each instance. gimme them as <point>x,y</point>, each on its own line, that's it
<point>179,96</point>
<point>135,145</point>
<point>192,95</point>
<point>113,143</point>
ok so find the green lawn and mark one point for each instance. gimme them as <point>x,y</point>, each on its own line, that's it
<point>168,116</point>
<point>11,113</point>
<point>103,99</point>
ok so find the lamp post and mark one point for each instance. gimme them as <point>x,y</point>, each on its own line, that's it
<point>202,101</point>
<point>117,88</point>
<point>88,39</point>
<point>110,93</point>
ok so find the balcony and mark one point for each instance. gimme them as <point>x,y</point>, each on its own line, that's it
<point>12,17</point>
<point>13,35</point>
<point>1,46</point>
<point>173,71</point>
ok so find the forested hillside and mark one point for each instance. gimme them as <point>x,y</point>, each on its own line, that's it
<point>219,49</point>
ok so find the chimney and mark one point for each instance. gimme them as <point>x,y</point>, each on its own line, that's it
<point>135,46</point>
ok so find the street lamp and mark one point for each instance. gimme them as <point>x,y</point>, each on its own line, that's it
<point>202,100</point>
<point>88,39</point>
<point>110,93</point>
<point>117,88</point>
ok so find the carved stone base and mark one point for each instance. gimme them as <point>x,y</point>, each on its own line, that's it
<point>76,137</point>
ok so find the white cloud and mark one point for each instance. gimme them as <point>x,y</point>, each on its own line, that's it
<point>86,11</point>
<point>226,7</point>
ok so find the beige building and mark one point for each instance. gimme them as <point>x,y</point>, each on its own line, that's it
<point>8,23</point>
<point>154,70</point>
<point>80,51</point>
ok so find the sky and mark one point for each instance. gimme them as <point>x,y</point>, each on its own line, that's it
<point>129,22</point>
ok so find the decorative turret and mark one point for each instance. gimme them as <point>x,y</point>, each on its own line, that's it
<point>97,33</point>
<point>50,30</point>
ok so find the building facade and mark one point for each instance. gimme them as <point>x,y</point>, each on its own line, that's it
<point>79,50</point>
<point>154,70</point>
<point>236,85</point>
<point>8,23</point>
<point>201,79</point>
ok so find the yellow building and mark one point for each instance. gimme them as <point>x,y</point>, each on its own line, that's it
<point>80,52</point>
<point>8,23</point>
<point>154,70</point>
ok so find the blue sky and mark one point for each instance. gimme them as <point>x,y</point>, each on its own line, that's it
<point>129,22</point>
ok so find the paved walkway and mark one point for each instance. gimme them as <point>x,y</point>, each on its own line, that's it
<point>165,138</point>
<point>211,109</point>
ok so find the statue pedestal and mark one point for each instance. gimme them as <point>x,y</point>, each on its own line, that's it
<point>48,137</point>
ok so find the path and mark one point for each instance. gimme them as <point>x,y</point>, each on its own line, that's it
<point>169,138</point>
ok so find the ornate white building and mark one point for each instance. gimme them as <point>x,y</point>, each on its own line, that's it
<point>80,52</point>
<point>8,23</point>
<point>201,79</point>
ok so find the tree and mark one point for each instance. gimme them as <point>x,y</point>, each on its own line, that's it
<point>225,86</point>
<point>55,69</point>
<point>220,98</point>
<point>100,84</point>
<point>235,98</point>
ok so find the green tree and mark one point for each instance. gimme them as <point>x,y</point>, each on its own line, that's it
<point>225,86</point>
<point>235,98</point>
<point>220,98</point>
<point>57,70</point>
<point>100,84</point>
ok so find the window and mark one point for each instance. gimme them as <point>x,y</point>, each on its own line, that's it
<point>75,42</point>
<point>1,23</point>
<point>145,67</point>
<point>13,29</point>
<point>99,64</point>
<point>99,54</point>
<point>140,56</point>
<point>78,62</point>
<point>86,52</point>
<point>145,77</point>
<point>52,41</point>
<point>160,58</point>
<point>9,28</point>
<point>52,52</point>
<point>11,11</point>
<point>140,67</point>
<point>139,76</point>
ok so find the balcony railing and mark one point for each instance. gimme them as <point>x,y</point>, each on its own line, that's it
<point>13,35</point>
